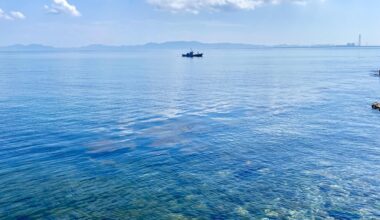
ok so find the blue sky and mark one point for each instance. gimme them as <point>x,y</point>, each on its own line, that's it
<point>124,22</point>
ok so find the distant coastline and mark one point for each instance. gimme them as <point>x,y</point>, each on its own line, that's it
<point>167,45</point>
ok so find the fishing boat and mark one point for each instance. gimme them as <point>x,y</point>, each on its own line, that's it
<point>191,54</point>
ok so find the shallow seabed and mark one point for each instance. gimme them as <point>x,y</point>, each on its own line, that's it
<point>239,134</point>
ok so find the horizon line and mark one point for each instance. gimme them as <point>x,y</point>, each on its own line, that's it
<point>187,42</point>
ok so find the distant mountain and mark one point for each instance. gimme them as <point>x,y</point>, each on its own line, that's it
<point>180,45</point>
<point>198,45</point>
<point>29,47</point>
<point>185,45</point>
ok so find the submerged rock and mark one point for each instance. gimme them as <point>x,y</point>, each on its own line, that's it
<point>376,105</point>
<point>242,211</point>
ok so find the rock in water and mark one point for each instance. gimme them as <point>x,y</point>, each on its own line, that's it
<point>376,105</point>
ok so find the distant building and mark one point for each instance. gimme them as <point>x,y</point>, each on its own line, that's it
<point>358,44</point>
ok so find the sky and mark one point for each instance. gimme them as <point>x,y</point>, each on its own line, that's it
<point>67,23</point>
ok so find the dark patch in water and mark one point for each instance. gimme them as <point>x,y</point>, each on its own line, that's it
<point>23,218</point>
<point>340,215</point>
<point>248,173</point>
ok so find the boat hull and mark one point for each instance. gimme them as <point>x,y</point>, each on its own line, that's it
<point>194,55</point>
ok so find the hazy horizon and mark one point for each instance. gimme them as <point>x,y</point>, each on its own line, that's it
<point>73,23</point>
<point>147,44</point>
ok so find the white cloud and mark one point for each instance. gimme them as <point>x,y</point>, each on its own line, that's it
<point>17,15</point>
<point>13,15</point>
<point>195,6</point>
<point>62,6</point>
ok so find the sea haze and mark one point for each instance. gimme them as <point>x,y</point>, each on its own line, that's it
<point>178,45</point>
<point>146,134</point>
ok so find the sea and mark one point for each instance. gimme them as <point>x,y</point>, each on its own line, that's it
<point>267,133</point>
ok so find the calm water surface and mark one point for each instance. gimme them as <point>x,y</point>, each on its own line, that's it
<point>247,134</point>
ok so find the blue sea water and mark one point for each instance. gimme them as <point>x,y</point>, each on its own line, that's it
<point>238,134</point>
